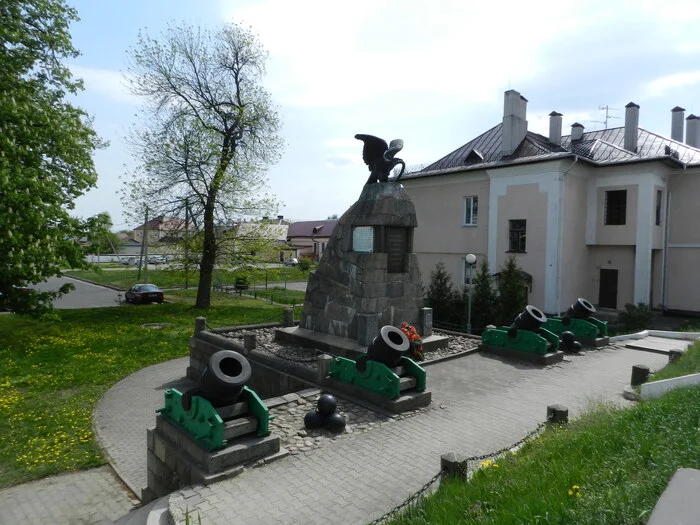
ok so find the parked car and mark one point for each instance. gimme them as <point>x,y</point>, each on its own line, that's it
<point>291,262</point>
<point>156,259</point>
<point>129,261</point>
<point>144,293</point>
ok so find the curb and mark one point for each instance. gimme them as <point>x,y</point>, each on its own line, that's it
<point>96,284</point>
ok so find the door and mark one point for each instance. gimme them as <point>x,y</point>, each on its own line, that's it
<point>607,295</point>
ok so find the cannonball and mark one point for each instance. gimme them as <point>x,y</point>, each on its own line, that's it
<point>334,423</point>
<point>576,347</point>
<point>326,405</point>
<point>313,420</point>
<point>568,338</point>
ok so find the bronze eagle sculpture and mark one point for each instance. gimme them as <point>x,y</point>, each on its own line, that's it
<point>379,157</point>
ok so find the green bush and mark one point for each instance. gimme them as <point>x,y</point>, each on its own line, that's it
<point>484,298</point>
<point>512,297</point>
<point>635,318</point>
<point>447,304</point>
<point>304,265</point>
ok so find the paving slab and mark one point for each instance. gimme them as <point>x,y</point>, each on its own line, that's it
<point>76,498</point>
<point>658,344</point>
<point>679,503</point>
<point>482,404</point>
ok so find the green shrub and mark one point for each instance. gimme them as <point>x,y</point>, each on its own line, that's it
<point>512,297</point>
<point>484,299</point>
<point>447,304</point>
<point>635,318</point>
<point>304,265</point>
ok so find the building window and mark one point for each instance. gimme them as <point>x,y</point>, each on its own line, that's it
<point>471,210</point>
<point>615,207</point>
<point>659,196</point>
<point>516,235</point>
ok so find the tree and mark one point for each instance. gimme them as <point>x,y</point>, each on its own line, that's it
<point>484,299</point>
<point>209,130</point>
<point>46,147</point>
<point>99,235</point>
<point>512,298</point>
<point>440,296</point>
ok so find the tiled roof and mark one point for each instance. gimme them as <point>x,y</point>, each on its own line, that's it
<point>311,228</point>
<point>163,223</point>
<point>602,147</point>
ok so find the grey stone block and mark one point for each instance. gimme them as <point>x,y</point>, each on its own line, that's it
<point>367,328</point>
<point>456,465</point>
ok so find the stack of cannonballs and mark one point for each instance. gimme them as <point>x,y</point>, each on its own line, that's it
<point>325,415</point>
<point>569,343</point>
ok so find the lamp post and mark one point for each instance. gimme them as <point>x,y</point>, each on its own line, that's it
<point>470,259</point>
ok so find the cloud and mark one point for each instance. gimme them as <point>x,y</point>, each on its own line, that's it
<point>660,87</point>
<point>106,82</point>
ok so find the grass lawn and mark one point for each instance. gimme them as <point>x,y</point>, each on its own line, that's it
<point>608,467</point>
<point>689,363</point>
<point>53,373</point>
<point>125,278</point>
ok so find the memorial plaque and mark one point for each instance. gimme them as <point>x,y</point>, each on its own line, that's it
<point>396,249</point>
<point>363,239</point>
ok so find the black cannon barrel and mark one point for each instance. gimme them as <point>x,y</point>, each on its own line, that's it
<point>388,347</point>
<point>224,377</point>
<point>529,319</point>
<point>581,309</point>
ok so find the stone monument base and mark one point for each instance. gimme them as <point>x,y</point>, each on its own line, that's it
<point>340,346</point>
<point>175,460</point>
<point>409,400</point>
<point>539,359</point>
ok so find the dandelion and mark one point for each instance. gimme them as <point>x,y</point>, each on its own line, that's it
<point>574,491</point>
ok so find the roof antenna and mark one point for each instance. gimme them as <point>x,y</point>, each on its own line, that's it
<point>608,116</point>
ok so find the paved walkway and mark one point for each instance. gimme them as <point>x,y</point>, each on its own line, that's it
<point>78,498</point>
<point>481,404</point>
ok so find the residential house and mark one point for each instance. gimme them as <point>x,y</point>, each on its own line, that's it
<point>308,239</point>
<point>265,239</point>
<point>610,215</point>
<point>160,229</point>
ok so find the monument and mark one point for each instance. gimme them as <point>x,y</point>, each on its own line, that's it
<point>368,276</point>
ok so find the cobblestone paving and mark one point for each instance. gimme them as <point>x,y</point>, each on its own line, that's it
<point>288,423</point>
<point>482,404</point>
<point>77,498</point>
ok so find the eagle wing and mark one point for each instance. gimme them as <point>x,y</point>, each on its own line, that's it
<point>395,146</point>
<point>374,148</point>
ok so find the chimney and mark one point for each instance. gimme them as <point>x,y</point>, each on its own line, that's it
<point>514,123</point>
<point>280,217</point>
<point>576,132</point>
<point>677,115</point>
<point>631,126</point>
<point>555,128</point>
<point>692,133</point>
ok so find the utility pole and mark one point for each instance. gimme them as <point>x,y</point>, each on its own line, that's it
<point>144,248</point>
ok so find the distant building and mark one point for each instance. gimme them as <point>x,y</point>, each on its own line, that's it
<point>308,239</point>
<point>609,215</point>
<point>160,229</point>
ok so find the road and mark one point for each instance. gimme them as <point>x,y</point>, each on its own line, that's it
<point>85,295</point>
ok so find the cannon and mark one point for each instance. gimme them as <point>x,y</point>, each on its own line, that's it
<point>526,334</point>
<point>383,369</point>
<point>578,320</point>
<point>221,407</point>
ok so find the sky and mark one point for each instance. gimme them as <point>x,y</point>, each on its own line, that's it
<point>432,73</point>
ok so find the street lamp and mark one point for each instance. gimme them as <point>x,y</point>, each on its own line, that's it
<point>470,259</point>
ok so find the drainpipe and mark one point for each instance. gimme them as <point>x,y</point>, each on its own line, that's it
<point>560,240</point>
